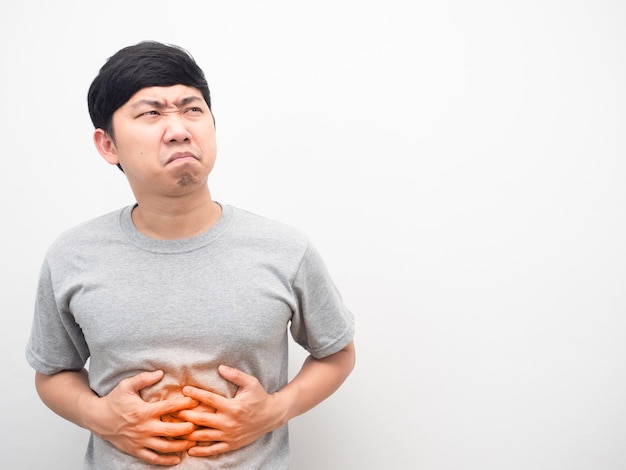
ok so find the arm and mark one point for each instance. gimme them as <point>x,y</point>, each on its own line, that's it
<point>317,380</point>
<point>121,417</point>
<point>252,412</point>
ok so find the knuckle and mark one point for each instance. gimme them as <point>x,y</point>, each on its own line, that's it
<point>238,410</point>
<point>134,416</point>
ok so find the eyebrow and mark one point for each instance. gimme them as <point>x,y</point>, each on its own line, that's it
<point>160,105</point>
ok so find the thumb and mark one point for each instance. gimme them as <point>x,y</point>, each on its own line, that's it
<point>237,376</point>
<point>141,380</point>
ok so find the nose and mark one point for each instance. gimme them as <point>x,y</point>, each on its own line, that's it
<point>175,129</point>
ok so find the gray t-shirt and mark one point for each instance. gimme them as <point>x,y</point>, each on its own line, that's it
<point>129,303</point>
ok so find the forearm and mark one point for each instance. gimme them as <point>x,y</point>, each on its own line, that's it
<point>121,417</point>
<point>66,393</point>
<point>316,381</point>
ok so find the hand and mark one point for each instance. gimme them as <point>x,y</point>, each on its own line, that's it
<point>236,421</point>
<point>135,427</point>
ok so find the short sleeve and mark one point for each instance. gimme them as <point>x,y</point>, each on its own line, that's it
<point>322,324</point>
<point>56,341</point>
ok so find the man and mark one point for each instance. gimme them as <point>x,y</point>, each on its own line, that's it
<point>181,304</point>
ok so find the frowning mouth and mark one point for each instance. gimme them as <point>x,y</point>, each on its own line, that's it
<point>181,157</point>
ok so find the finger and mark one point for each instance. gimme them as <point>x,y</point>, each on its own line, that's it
<point>169,429</point>
<point>155,458</point>
<point>174,405</point>
<point>169,446</point>
<point>214,400</point>
<point>237,376</point>
<point>205,435</point>
<point>142,380</point>
<point>200,418</point>
<point>178,417</point>
<point>208,450</point>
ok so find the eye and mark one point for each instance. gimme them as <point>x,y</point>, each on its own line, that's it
<point>148,114</point>
<point>194,110</point>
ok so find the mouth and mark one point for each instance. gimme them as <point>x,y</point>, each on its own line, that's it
<point>181,157</point>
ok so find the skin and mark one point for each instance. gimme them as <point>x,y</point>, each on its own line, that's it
<point>164,138</point>
<point>165,141</point>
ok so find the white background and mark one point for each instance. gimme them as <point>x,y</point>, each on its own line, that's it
<point>460,166</point>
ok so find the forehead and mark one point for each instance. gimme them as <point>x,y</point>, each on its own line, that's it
<point>165,95</point>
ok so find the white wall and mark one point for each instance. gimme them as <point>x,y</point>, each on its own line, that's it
<point>460,165</point>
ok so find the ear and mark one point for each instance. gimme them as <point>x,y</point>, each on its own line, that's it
<point>105,146</point>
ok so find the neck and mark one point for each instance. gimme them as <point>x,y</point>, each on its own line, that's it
<point>176,218</point>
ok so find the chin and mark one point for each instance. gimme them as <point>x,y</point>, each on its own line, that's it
<point>187,179</point>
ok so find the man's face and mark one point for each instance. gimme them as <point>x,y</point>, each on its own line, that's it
<point>165,140</point>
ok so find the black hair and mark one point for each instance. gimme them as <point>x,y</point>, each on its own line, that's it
<point>132,68</point>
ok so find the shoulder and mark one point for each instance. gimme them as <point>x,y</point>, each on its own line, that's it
<point>90,234</point>
<point>264,227</point>
<point>254,230</point>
